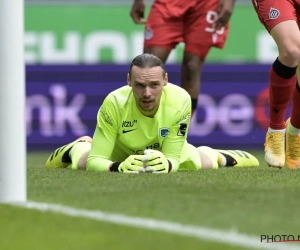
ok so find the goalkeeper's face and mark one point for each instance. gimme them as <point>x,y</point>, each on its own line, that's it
<point>147,85</point>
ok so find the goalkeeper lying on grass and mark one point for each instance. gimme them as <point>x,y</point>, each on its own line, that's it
<point>150,113</point>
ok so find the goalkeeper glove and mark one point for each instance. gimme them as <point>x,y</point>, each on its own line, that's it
<point>156,162</point>
<point>133,164</point>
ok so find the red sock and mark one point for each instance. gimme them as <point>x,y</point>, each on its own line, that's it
<point>295,118</point>
<point>280,94</point>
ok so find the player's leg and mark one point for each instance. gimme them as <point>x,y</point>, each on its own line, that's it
<point>73,154</point>
<point>279,18</point>
<point>160,52</point>
<point>293,126</point>
<point>293,129</point>
<point>209,157</point>
<point>162,32</point>
<point>191,71</point>
<point>199,37</point>
<point>216,158</point>
<point>79,155</point>
<point>196,158</point>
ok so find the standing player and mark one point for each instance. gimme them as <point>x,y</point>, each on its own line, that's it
<point>150,113</point>
<point>200,24</point>
<point>281,19</point>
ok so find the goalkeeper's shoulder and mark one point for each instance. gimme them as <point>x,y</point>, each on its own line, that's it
<point>116,102</point>
<point>176,96</point>
<point>120,96</point>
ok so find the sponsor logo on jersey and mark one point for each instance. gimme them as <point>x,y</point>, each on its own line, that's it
<point>163,132</point>
<point>128,124</point>
<point>274,13</point>
<point>148,33</point>
<point>182,129</point>
<point>155,145</point>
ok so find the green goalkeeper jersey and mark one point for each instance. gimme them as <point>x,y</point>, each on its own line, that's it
<point>122,130</point>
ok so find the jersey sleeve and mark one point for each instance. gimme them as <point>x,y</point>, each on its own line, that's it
<point>104,137</point>
<point>173,144</point>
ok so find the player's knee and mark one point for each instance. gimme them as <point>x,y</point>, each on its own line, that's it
<point>290,55</point>
<point>192,64</point>
<point>161,52</point>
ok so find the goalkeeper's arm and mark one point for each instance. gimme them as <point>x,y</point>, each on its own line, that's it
<point>100,162</point>
<point>99,156</point>
<point>104,138</point>
<point>176,139</point>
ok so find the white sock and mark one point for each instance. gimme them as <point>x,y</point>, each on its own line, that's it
<point>276,130</point>
<point>292,130</point>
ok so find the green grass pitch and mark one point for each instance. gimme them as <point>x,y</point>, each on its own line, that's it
<point>249,200</point>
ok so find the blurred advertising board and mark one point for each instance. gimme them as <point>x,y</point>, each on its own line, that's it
<point>62,103</point>
<point>89,34</point>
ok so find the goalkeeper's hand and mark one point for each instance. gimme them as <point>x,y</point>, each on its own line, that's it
<point>156,162</point>
<point>133,164</point>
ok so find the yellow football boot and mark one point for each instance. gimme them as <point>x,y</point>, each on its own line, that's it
<point>239,158</point>
<point>274,149</point>
<point>292,149</point>
<point>60,157</point>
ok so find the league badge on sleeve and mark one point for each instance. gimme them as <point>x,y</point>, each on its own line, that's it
<point>163,132</point>
<point>182,129</point>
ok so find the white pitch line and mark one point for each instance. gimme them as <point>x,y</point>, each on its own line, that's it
<point>203,233</point>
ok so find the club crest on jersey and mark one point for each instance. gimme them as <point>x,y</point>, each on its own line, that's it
<point>163,132</point>
<point>274,13</point>
<point>148,33</point>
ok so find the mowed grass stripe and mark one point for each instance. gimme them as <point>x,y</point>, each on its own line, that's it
<point>233,238</point>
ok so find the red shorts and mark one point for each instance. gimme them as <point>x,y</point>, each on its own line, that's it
<point>173,21</point>
<point>272,12</point>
